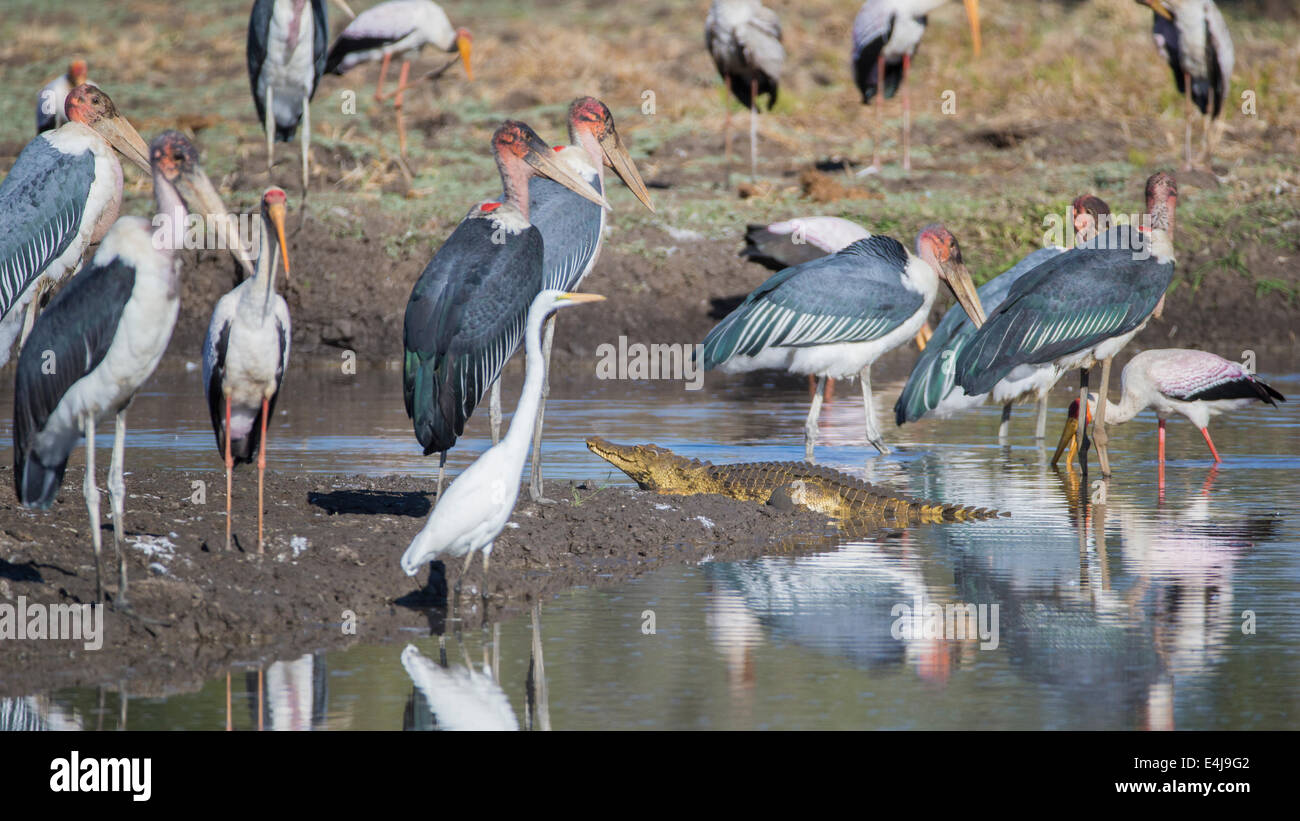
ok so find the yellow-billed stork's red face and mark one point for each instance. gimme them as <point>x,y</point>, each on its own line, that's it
<point>275,207</point>
<point>464,45</point>
<point>77,72</point>
<point>91,107</point>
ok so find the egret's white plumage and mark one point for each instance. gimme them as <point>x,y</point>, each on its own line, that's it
<point>460,699</point>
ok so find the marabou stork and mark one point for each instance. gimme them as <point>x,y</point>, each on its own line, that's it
<point>1080,308</point>
<point>572,227</point>
<point>246,353</point>
<point>886,35</point>
<point>1193,38</point>
<point>836,315</point>
<point>62,194</point>
<point>932,386</point>
<point>401,27</point>
<point>744,39</point>
<point>50,100</point>
<point>1197,384</point>
<point>467,311</point>
<point>100,339</point>
<point>287,44</point>
<point>478,503</point>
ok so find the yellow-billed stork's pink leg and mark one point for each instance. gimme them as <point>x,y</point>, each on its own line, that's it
<point>261,472</point>
<point>1100,438</point>
<point>1206,433</point>
<point>230,468</point>
<point>383,72</point>
<point>397,105</point>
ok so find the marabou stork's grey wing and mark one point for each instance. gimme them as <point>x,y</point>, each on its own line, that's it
<point>934,375</point>
<point>1221,57</point>
<point>871,31</point>
<point>259,30</point>
<point>1074,301</point>
<point>320,42</point>
<point>41,205</point>
<point>570,228</point>
<point>1168,43</point>
<point>760,41</point>
<point>855,295</point>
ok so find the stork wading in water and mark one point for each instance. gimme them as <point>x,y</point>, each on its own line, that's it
<point>932,385</point>
<point>1193,38</point>
<point>1080,308</point>
<point>104,334</point>
<point>833,317</point>
<point>886,35</point>
<point>1196,384</point>
<point>403,28</point>
<point>245,356</point>
<point>572,229</point>
<point>62,194</point>
<point>467,311</point>
<point>50,100</point>
<point>479,502</point>
<point>744,39</point>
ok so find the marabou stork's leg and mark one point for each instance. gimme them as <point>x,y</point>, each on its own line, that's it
<point>535,477</point>
<point>1004,427</point>
<point>873,431</point>
<point>907,116</point>
<point>1209,133</point>
<point>261,472</point>
<point>397,106</point>
<point>753,128</point>
<point>33,307</point>
<point>1083,420</point>
<point>230,468</point>
<point>117,498</point>
<point>442,467</point>
<point>92,505</point>
<point>1040,429</point>
<point>270,128</point>
<point>1206,433</point>
<point>726,132</point>
<point>305,136</point>
<point>494,411</point>
<point>383,72</point>
<point>1099,435</point>
<point>1187,122</point>
<point>880,110</point>
<point>810,426</point>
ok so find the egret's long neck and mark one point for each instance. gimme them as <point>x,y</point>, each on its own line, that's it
<point>518,439</point>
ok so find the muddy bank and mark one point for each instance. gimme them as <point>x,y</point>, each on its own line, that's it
<point>332,545</point>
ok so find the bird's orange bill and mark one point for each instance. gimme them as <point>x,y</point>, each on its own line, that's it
<point>1158,7</point>
<point>276,211</point>
<point>123,136</point>
<point>618,158</point>
<point>572,297</point>
<point>963,288</point>
<point>540,156</point>
<point>973,14</point>
<point>464,45</point>
<point>923,336</point>
<point>1069,442</point>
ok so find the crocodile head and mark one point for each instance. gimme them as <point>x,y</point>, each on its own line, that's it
<point>650,466</point>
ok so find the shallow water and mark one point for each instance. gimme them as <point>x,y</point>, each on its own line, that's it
<point>1160,612</point>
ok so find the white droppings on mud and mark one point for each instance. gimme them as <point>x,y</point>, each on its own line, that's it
<point>683,234</point>
<point>299,545</point>
<point>512,525</point>
<point>706,521</point>
<point>158,569</point>
<point>156,547</point>
<point>664,507</point>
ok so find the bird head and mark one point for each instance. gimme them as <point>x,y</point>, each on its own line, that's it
<point>91,107</point>
<point>938,247</point>
<point>1088,212</point>
<point>1160,7</point>
<point>1162,200</point>
<point>516,145</point>
<point>175,163</point>
<point>1069,442</point>
<point>592,126</point>
<point>275,206</point>
<point>77,72</point>
<point>551,300</point>
<point>464,45</point>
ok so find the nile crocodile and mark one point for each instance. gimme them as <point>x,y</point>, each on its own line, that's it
<point>784,484</point>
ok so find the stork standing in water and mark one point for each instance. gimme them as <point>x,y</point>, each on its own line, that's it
<point>886,35</point>
<point>1080,308</point>
<point>100,339</point>
<point>50,100</point>
<point>62,194</point>
<point>1193,38</point>
<point>1196,384</point>
<point>932,385</point>
<point>744,39</point>
<point>833,317</point>
<point>246,353</point>
<point>401,27</point>
<point>480,500</point>
<point>572,228</point>
<point>467,311</point>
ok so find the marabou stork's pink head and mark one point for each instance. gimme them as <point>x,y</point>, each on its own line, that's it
<point>592,127</point>
<point>1088,213</point>
<point>91,107</point>
<point>77,72</point>
<point>521,153</point>
<point>464,45</point>
<point>1162,200</point>
<point>938,247</point>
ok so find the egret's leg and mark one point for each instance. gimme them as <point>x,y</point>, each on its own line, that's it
<point>907,116</point>
<point>397,106</point>
<point>753,128</point>
<point>1100,437</point>
<point>1040,428</point>
<point>1206,433</point>
<point>442,467</point>
<point>535,478</point>
<point>463,570</point>
<point>117,498</point>
<point>1083,420</point>
<point>869,409</point>
<point>92,505</point>
<point>487,553</point>
<point>494,411</point>
<point>1187,122</point>
<point>880,110</point>
<point>270,128</point>
<point>261,472</point>
<point>810,426</point>
<point>305,136</point>
<point>1004,427</point>
<point>230,468</point>
<point>383,72</point>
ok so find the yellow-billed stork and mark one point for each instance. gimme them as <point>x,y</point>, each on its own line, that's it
<point>50,100</point>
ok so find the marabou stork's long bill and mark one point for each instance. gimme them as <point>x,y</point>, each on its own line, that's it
<point>287,44</point>
<point>932,386</point>
<point>50,100</point>
<point>62,194</point>
<point>1193,38</point>
<point>744,39</point>
<point>572,226</point>
<point>1196,384</point>
<point>836,315</point>
<point>478,503</point>
<point>466,313</point>
<point>100,339</point>
<point>886,35</point>
<point>401,27</point>
<point>1080,308</point>
<point>246,353</point>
